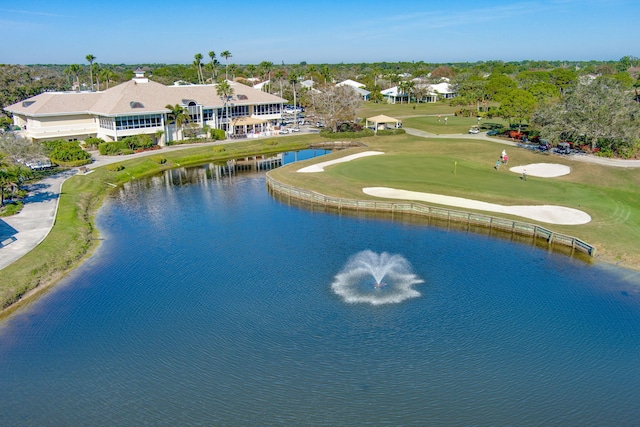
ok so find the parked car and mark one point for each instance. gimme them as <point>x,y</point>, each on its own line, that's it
<point>295,130</point>
<point>493,132</point>
<point>474,130</point>
<point>284,131</point>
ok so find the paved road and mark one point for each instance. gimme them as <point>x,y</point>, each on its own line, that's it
<point>20,233</point>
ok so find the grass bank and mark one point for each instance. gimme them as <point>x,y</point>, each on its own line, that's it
<point>73,236</point>
<point>464,168</point>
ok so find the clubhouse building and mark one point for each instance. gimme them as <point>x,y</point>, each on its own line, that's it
<point>139,107</point>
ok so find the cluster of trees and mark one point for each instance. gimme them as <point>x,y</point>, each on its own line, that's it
<point>595,106</point>
<point>521,91</point>
<point>14,152</point>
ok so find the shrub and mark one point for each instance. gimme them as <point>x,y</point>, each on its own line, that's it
<point>326,133</point>
<point>11,208</point>
<point>111,148</point>
<point>391,132</point>
<point>138,141</point>
<point>126,151</point>
<point>62,151</point>
<point>93,142</point>
<point>218,134</point>
<point>115,167</point>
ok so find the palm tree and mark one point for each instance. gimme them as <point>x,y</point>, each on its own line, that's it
<point>177,115</point>
<point>213,63</point>
<point>293,79</point>
<point>251,69</point>
<point>74,70</point>
<point>107,75</point>
<point>225,91</point>
<point>280,77</point>
<point>198,63</point>
<point>266,67</point>
<point>404,88</point>
<point>325,72</point>
<point>90,58</point>
<point>226,55</point>
<point>233,69</point>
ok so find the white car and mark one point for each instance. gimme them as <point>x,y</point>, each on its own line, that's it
<point>284,131</point>
<point>295,130</point>
<point>474,130</point>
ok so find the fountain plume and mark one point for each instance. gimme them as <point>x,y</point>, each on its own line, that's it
<point>376,279</point>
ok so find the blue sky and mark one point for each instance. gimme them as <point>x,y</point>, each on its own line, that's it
<point>144,31</point>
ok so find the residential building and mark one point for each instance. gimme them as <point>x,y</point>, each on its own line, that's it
<point>430,93</point>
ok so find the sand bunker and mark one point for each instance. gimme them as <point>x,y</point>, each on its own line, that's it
<point>319,167</point>
<point>545,213</point>
<point>543,170</point>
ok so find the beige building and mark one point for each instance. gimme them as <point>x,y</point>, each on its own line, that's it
<point>138,107</point>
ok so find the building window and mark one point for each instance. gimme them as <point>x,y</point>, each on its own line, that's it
<point>138,122</point>
<point>267,109</point>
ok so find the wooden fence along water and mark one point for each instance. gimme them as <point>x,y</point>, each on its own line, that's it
<point>448,216</point>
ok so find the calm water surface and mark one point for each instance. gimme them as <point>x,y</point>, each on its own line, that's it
<point>209,302</point>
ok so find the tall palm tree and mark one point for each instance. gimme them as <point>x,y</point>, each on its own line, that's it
<point>325,72</point>
<point>213,63</point>
<point>74,70</point>
<point>90,58</point>
<point>198,64</point>
<point>280,77</point>
<point>251,69</point>
<point>225,92</point>
<point>293,79</point>
<point>107,75</point>
<point>178,115</point>
<point>233,70</point>
<point>266,68</point>
<point>226,55</point>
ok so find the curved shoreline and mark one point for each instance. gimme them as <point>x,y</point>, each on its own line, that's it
<point>36,275</point>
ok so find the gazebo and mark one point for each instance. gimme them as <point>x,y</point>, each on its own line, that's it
<point>241,125</point>
<point>381,121</point>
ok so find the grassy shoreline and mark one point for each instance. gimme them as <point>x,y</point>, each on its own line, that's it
<point>73,237</point>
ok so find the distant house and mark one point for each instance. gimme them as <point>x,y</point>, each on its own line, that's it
<point>351,83</point>
<point>138,107</point>
<point>431,93</point>
<point>358,87</point>
<point>308,84</point>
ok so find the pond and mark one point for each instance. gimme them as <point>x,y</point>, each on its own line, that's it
<point>210,302</point>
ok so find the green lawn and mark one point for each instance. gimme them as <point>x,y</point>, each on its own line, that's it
<point>369,109</point>
<point>453,125</point>
<point>424,116</point>
<point>610,195</point>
